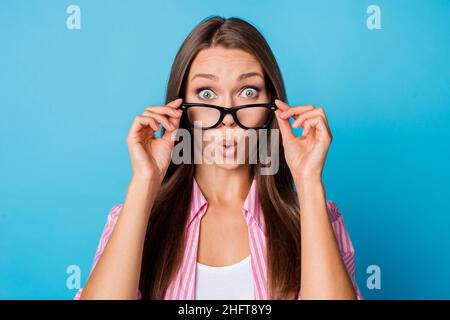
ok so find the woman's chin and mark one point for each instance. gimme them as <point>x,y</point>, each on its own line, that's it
<point>228,166</point>
<point>224,163</point>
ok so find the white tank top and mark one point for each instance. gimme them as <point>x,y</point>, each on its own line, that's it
<point>228,282</point>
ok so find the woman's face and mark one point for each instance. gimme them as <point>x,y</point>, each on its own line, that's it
<point>226,78</point>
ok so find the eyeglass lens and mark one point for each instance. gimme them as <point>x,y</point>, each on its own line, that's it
<point>204,117</point>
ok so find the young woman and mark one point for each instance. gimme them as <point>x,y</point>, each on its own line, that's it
<point>215,230</point>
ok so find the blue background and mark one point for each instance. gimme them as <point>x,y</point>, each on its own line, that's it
<point>68,98</point>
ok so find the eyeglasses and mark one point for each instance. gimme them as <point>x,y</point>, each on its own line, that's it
<point>206,116</point>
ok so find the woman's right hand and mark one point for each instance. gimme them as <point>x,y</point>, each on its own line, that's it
<point>151,156</point>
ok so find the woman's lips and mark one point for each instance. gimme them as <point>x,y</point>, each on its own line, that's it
<point>228,148</point>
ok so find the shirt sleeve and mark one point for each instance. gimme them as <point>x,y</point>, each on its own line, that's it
<point>107,231</point>
<point>345,244</point>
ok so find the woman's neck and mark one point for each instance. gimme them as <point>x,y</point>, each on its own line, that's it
<point>222,186</point>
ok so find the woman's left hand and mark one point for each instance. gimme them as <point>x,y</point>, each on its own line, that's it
<point>305,155</point>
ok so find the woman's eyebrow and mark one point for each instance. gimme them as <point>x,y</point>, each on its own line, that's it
<point>249,75</point>
<point>215,78</point>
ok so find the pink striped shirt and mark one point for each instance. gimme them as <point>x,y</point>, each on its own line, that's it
<point>183,285</point>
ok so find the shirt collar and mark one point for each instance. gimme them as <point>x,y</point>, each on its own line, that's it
<point>251,207</point>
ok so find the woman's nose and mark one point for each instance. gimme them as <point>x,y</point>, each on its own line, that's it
<point>228,121</point>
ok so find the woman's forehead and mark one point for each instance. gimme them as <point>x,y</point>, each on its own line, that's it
<point>223,63</point>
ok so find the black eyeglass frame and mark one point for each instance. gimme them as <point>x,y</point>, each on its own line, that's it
<point>224,111</point>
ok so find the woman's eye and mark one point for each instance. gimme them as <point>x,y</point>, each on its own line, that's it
<point>250,92</point>
<point>205,94</point>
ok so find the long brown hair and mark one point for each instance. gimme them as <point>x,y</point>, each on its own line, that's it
<point>164,241</point>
